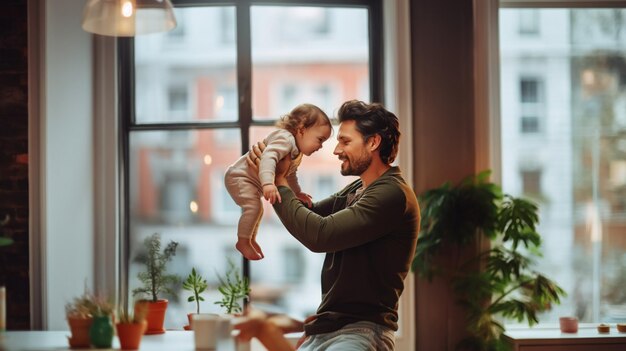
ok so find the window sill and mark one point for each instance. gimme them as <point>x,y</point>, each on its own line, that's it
<point>552,339</point>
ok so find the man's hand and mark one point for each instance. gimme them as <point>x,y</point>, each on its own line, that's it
<point>306,199</point>
<point>268,329</point>
<point>254,156</point>
<point>254,159</point>
<point>271,194</point>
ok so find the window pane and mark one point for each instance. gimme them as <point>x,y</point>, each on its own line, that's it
<point>177,190</point>
<point>569,82</point>
<point>300,54</point>
<point>288,278</point>
<point>317,55</point>
<point>188,74</point>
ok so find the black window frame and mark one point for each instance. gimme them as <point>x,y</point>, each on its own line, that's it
<point>126,98</point>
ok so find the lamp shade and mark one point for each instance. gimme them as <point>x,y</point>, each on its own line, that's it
<point>127,18</point>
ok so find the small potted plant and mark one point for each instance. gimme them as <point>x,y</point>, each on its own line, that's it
<point>196,284</point>
<point>79,317</point>
<point>234,289</point>
<point>101,330</point>
<point>155,281</point>
<point>80,313</point>
<point>130,328</point>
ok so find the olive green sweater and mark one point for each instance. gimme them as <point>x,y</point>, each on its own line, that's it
<point>369,247</point>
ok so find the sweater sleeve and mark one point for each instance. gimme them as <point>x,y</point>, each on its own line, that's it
<point>369,219</point>
<point>278,145</point>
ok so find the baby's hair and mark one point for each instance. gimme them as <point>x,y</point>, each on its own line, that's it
<point>303,116</point>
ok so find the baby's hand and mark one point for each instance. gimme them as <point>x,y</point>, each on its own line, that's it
<point>306,198</point>
<point>271,194</point>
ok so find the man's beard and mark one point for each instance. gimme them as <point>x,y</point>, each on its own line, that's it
<point>358,166</point>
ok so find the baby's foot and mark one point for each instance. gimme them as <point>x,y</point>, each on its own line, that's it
<point>247,250</point>
<point>257,248</point>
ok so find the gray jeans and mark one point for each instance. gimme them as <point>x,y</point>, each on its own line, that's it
<point>359,336</point>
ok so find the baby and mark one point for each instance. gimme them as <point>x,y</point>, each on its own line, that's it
<point>301,132</point>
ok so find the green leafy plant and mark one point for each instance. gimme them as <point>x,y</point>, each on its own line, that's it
<point>499,281</point>
<point>155,278</point>
<point>197,285</point>
<point>234,288</point>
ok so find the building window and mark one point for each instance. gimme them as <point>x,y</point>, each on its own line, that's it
<point>531,104</point>
<point>178,99</point>
<point>178,33</point>
<point>528,22</point>
<point>529,90</point>
<point>195,109</point>
<point>531,182</point>
<point>577,165</point>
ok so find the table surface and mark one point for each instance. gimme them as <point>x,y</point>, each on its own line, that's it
<point>57,340</point>
<point>584,333</point>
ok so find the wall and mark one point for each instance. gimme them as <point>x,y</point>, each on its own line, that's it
<point>14,259</point>
<point>444,141</point>
<point>67,159</point>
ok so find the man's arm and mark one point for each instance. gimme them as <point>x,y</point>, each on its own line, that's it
<point>269,329</point>
<point>380,207</point>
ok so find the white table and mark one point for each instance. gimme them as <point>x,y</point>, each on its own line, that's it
<point>552,339</point>
<point>57,340</point>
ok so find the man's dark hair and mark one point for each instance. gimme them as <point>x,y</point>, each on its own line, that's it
<point>372,119</point>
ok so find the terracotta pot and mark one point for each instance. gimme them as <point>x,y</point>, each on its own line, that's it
<point>130,334</point>
<point>155,314</point>
<point>79,327</point>
<point>189,317</point>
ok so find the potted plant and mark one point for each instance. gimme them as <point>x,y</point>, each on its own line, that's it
<point>155,281</point>
<point>79,318</point>
<point>234,289</point>
<point>130,328</point>
<point>498,281</point>
<point>101,330</point>
<point>80,313</point>
<point>196,284</point>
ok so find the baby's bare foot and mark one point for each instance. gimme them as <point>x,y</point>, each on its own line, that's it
<point>257,248</point>
<point>247,250</point>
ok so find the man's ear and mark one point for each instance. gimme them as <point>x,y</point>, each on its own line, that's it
<point>374,142</point>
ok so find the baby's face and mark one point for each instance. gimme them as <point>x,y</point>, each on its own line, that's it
<point>311,139</point>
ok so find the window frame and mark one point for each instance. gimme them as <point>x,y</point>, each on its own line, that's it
<point>488,96</point>
<point>126,100</point>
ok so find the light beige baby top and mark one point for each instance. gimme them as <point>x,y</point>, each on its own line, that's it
<point>279,144</point>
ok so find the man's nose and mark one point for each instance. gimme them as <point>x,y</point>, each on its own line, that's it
<point>337,151</point>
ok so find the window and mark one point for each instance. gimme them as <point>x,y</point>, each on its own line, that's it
<point>531,104</point>
<point>531,182</point>
<point>178,33</point>
<point>178,100</point>
<point>194,109</point>
<point>528,21</point>
<point>575,95</point>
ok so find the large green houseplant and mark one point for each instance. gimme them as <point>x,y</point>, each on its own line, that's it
<point>156,281</point>
<point>499,280</point>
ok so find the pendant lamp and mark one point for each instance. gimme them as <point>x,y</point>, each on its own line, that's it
<point>127,18</point>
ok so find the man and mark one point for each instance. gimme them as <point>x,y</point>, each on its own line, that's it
<point>368,231</point>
